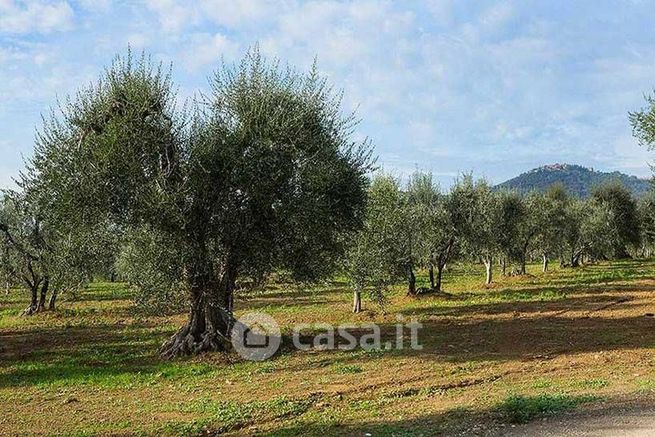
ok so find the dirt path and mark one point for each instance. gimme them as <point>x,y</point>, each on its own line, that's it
<point>616,418</point>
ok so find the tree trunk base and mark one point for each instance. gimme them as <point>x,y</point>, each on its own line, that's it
<point>184,343</point>
<point>433,292</point>
<point>30,310</point>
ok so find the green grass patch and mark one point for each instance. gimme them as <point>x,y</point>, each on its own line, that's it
<point>595,384</point>
<point>522,409</point>
<point>347,368</point>
<point>224,416</point>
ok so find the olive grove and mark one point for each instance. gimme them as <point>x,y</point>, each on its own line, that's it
<point>191,203</point>
<point>415,225</point>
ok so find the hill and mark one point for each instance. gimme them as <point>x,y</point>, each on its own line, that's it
<point>577,179</point>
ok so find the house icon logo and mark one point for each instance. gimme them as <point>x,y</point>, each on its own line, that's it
<point>256,336</point>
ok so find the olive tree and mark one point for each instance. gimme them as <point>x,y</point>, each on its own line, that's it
<point>618,199</point>
<point>589,231</point>
<point>599,233</point>
<point>527,229</point>
<point>42,257</point>
<point>375,259</point>
<point>512,218</point>
<point>549,215</point>
<point>477,218</point>
<point>436,233</point>
<point>24,249</point>
<point>643,129</point>
<point>260,174</point>
<point>646,212</point>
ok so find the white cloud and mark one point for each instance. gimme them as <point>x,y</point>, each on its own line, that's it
<point>174,16</point>
<point>499,87</point>
<point>205,49</point>
<point>497,16</point>
<point>138,40</point>
<point>229,13</point>
<point>18,17</point>
<point>96,6</point>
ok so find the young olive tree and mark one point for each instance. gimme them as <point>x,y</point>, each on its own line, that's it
<point>40,256</point>
<point>372,262</point>
<point>513,215</point>
<point>262,175</point>
<point>477,218</point>
<point>589,231</point>
<point>549,215</point>
<point>436,241</point>
<point>646,213</point>
<point>625,219</point>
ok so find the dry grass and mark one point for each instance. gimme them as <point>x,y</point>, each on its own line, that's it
<point>524,347</point>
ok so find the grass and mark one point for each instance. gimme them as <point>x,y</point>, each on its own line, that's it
<point>522,409</point>
<point>523,348</point>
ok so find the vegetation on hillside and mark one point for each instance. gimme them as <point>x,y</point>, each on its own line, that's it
<point>579,181</point>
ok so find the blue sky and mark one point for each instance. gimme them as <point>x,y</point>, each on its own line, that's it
<point>496,88</point>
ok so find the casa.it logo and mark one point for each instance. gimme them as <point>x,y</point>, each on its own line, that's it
<point>256,336</point>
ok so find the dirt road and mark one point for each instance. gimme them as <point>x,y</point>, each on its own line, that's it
<point>616,418</point>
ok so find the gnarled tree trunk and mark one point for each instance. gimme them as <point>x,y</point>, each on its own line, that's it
<point>522,265</point>
<point>210,317</point>
<point>34,302</point>
<point>442,260</point>
<point>575,259</point>
<point>44,292</point>
<point>545,262</point>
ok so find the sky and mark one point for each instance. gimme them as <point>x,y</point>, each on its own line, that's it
<point>448,86</point>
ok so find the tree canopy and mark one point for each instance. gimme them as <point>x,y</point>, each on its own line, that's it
<point>260,174</point>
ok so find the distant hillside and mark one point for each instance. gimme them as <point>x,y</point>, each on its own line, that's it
<point>577,179</point>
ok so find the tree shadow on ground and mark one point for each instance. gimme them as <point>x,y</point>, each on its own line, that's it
<point>497,331</point>
<point>294,297</point>
<point>490,421</point>
<point>514,303</point>
<point>452,422</point>
<point>519,327</point>
<point>77,354</point>
<point>518,336</point>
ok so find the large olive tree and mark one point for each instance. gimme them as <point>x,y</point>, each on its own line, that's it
<point>260,174</point>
